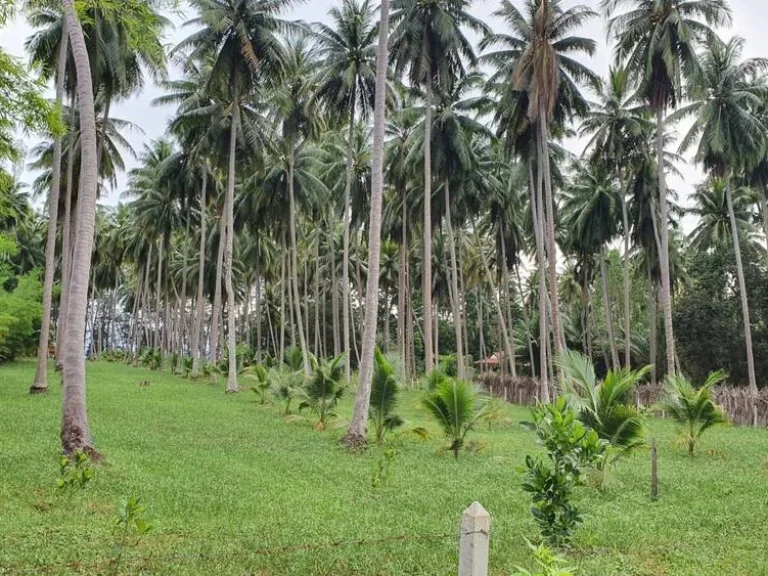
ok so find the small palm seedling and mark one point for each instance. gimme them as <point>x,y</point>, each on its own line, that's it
<point>323,391</point>
<point>547,562</point>
<point>261,379</point>
<point>286,393</point>
<point>384,391</point>
<point>693,409</point>
<point>604,406</point>
<point>436,378</point>
<point>456,406</point>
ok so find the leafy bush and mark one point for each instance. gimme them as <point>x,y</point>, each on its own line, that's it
<point>549,564</point>
<point>132,526</point>
<point>551,480</point>
<point>693,409</point>
<point>323,391</point>
<point>384,391</point>
<point>456,406</point>
<point>20,316</point>
<point>75,472</point>
<point>151,358</point>
<point>605,406</point>
<point>262,381</point>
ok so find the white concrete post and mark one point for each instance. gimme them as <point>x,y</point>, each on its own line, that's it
<point>473,545</point>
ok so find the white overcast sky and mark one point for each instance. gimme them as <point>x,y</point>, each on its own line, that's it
<point>749,17</point>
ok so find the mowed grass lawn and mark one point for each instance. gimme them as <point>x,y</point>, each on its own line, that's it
<point>233,488</point>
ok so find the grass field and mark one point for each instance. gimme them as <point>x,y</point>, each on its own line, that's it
<point>233,488</point>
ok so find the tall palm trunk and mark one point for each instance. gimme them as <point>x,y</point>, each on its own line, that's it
<point>66,244</point>
<point>499,309</point>
<point>652,321</point>
<point>334,285</point>
<point>548,216</point>
<point>345,263</point>
<point>455,302</point>
<point>538,227</point>
<point>744,300</point>
<point>257,306</point>
<point>183,304</point>
<point>666,290</point>
<point>229,209</point>
<point>283,257</point>
<point>427,261</point>
<point>317,297</point>
<point>40,383</point>
<point>764,212</point>
<point>75,432</point>
<point>213,352</point>
<point>507,301</point>
<point>608,314</point>
<point>156,342</point>
<point>401,283</point>
<point>358,428</point>
<point>295,261</point>
<point>200,300</point>
<point>627,304</point>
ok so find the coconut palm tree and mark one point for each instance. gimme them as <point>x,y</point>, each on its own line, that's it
<point>75,432</point>
<point>657,41</point>
<point>245,53</point>
<point>346,86</point>
<point>731,136</point>
<point>616,123</point>
<point>713,227</point>
<point>429,43</point>
<point>357,433</point>
<point>536,58</point>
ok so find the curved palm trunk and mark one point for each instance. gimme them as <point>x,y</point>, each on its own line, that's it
<point>40,383</point>
<point>345,263</point>
<point>213,352</point>
<point>75,432</point>
<point>744,301</point>
<point>357,434</point>
<point>295,262</point>
<point>401,285</point>
<point>548,216</point>
<point>427,262</point>
<point>200,300</point>
<point>627,304</point>
<point>229,208</point>
<point>608,314</point>
<point>66,244</point>
<point>456,303</point>
<point>666,290</point>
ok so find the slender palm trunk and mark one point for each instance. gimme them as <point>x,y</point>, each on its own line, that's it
<point>652,321</point>
<point>427,261</point>
<point>213,352</point>
<point>316,346</point>
<point>616,364</point>
<point>357,434</point>
<point>764,212</point>
<point>229,209</point>
<point>183,304</point>
<point>456,303</point>
<point>507,301</point>
<point>526,319</point>
<point>40,383</point>
<point>257,306</point>
<point>401,283</point>
<point>744,301</point>
<point>538,226</point>
<point>480,327</point>
<point>548,216</point>
<point>627,304</point>
<point>75,432</point>
<point>283,257</point>
<point>200,300</point>
<point>295,261</point>
<point>156,342</point>
<point>66,244</point>
<point>345,263</point>
<point>666,290</point>
<point>499,309</point>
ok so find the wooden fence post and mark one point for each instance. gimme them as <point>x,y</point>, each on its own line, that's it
<point>473,545</point>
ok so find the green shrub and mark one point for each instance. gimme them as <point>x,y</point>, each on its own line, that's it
<point>323,391</point>
<point>547,562</point>
<point>693,409</point>
<point>262,381</point>
<point>550,481</point>
<point>456,406</point>
<point>20,316</point>
<point>384,391</point>
<point>605,406</point>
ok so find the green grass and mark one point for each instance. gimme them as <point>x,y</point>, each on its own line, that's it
<point>234,488</point>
